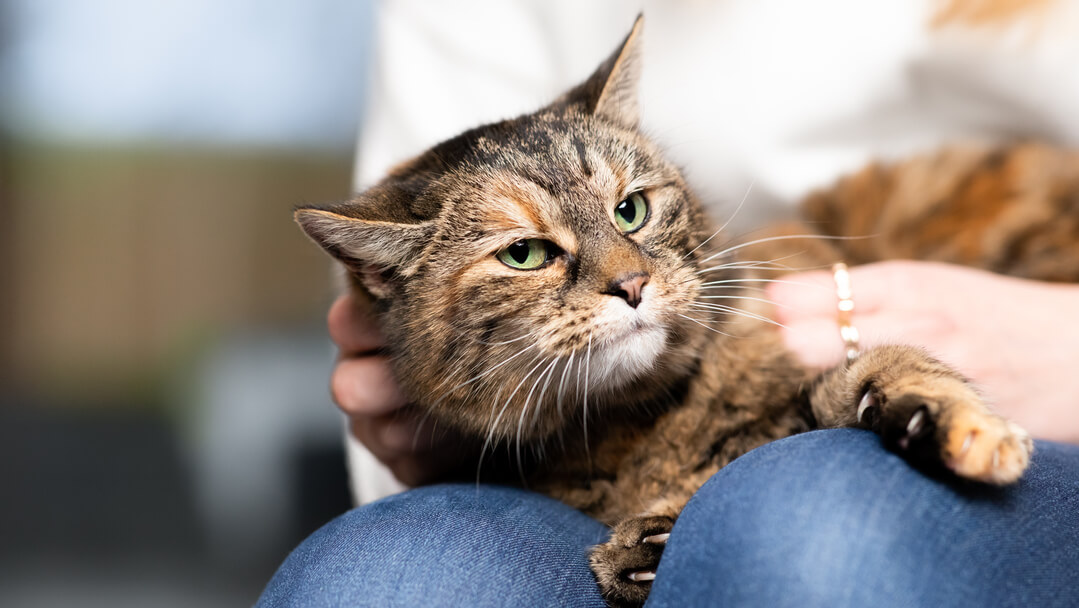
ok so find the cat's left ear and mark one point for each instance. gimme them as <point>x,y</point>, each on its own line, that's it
<point>611,91</point>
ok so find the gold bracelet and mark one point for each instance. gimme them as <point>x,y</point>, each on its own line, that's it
<point>847,331</point>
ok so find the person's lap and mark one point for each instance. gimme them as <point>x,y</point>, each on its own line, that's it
<point>825,518</point>
<point>445,545</point>
<point>833,519</point>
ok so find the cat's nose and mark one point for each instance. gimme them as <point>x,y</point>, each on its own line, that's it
<point>628,287</point>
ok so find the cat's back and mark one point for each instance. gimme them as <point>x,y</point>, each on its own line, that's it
<point>1011,209</point>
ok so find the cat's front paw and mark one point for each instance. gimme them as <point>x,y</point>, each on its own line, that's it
<point>985,447</point>
<point>625,565</point>
<point>953,428</point>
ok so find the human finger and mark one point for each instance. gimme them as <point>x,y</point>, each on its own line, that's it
<point>352,330</point>
<point>816,341</point>
<point>420,469</point>
<point>406,446</point>
<point>389,436</point>
<point>366,386</point>
<point>873,286</point>
<point>803,295</point>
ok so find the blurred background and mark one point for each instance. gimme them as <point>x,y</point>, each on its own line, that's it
<point>166,432</point>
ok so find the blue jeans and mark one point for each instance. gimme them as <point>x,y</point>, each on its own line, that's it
<point>828,518</point>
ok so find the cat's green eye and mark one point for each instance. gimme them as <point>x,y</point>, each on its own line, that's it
<point>630,214</point>
<point>527,254</point>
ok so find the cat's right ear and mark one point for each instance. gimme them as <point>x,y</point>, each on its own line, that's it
<point>375,250</point>
<point>611,91</point>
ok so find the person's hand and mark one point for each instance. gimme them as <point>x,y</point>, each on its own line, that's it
<point>1017,340</point>
<point>363,387</point>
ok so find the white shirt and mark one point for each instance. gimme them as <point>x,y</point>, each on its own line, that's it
<point>783,95</point>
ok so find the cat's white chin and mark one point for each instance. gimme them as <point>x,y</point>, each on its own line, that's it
<point>616,362</point>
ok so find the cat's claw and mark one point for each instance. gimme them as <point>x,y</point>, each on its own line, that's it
<point>967,441</point>
<point>625,565</point>
<point>916,422</point>
<point>915,427</point>
<point>868,402</point>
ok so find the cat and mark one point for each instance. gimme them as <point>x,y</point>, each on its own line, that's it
<point>544,284</point>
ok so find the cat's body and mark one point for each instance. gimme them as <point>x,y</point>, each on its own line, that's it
<point>549,286</point>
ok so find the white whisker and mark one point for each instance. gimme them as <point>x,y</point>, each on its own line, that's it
<point>527,335</point>
<point>699,322</point>
<point>484,374</point>
<point>784,237</point>
<point>540,400</point>
<point>749,280</point>
<point>738,288</point>
<point>725,224</point>
<point>739,264</point>
<point>748,266</point>
<point>584,407</point>
<point>524,412</point>
<point>494,424</point>
<point>562,383</point>
<point>735,311</point>
<point>764,300</point>
<point>771,268</point>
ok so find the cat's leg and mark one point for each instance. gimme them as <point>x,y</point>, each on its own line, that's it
<point>925,410</point>
<point>626,564</point>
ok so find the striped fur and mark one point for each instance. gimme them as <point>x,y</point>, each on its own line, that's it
<point>622,410</point>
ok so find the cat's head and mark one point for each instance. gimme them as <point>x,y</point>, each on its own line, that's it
<point>525,267</point>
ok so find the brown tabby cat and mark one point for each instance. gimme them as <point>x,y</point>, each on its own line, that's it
<point>550,286</point>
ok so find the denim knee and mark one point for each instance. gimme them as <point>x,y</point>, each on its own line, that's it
<point>445,545</point>
<point>831,518</point>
